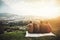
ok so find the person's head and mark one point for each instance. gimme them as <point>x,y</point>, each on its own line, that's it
<point>46,22</point>
<point>30,22</point>
<point>41,22</point>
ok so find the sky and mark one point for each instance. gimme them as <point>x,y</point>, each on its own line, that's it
<point>43,8</point>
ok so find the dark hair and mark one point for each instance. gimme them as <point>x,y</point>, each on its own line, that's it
<point>30,22</point>
<point>41,21</point>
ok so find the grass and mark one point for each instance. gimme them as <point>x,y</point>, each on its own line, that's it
<point>20,35</point>
<point>12,35</point>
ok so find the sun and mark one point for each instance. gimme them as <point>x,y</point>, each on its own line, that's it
<point>47,12</point>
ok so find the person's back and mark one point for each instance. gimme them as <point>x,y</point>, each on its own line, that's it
<point>48,27</point>
<point>35,28</point>
<point>45,28</point>
<point>30,27</point>
<point>42,27</point>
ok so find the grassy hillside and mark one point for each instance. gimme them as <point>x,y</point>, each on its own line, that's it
<point>20,35</point>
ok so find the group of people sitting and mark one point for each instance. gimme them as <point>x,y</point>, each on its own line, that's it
<point>41,27</point>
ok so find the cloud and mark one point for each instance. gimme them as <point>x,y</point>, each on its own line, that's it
<point>32,7</point>
<point>4,8</point>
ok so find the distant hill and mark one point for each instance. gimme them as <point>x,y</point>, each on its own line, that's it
<point>14,17</point>
<point>6,14</point>
<point>3,14</point>
<point>9,16</point>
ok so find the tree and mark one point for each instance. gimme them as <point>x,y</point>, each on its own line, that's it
<point>1,27</point>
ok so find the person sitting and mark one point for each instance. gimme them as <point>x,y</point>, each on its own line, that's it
<point>35,27</point>
<point>45,27</point>
<point>30,27</point>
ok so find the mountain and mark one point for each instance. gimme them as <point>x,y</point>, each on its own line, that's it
<point>6,16</point>
<point>13,17</point>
